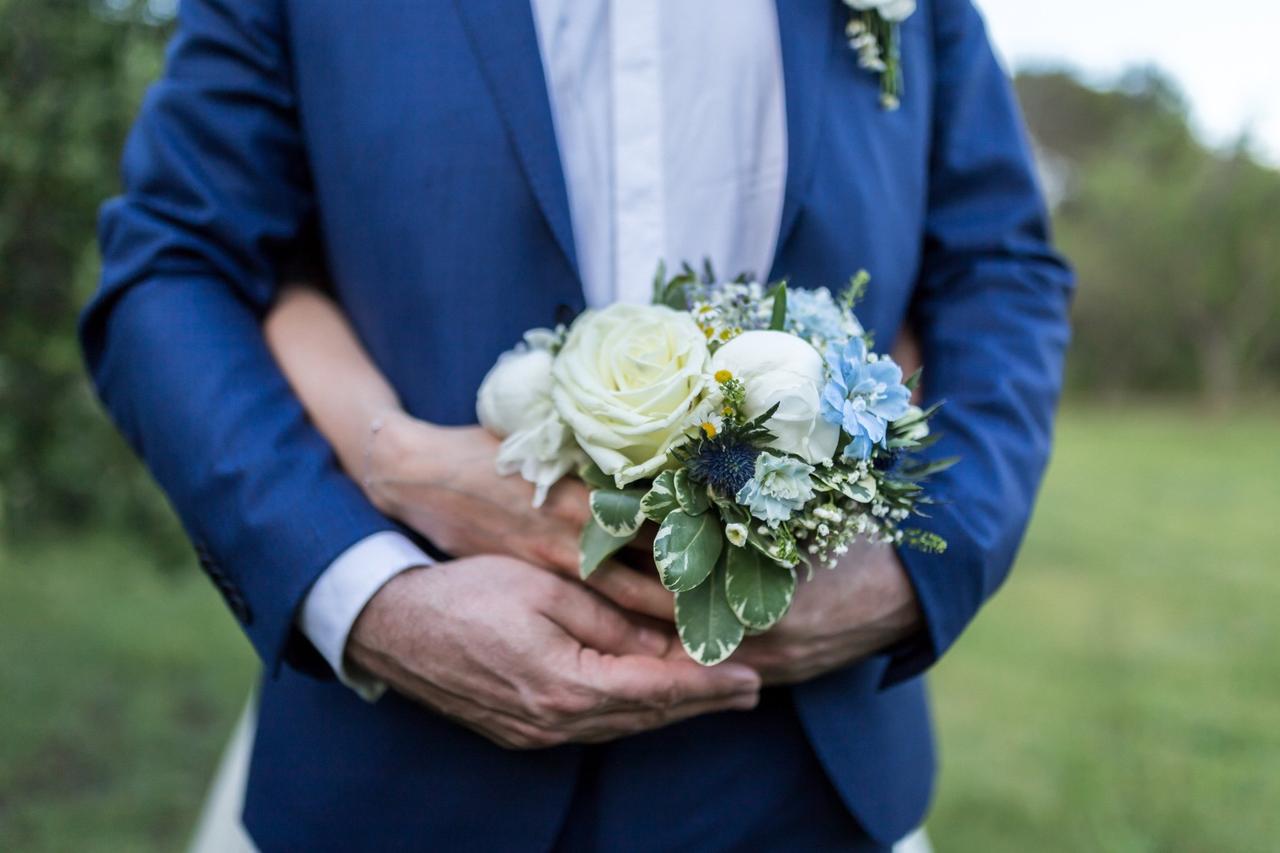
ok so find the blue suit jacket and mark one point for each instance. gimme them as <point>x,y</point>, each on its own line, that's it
<point>413,143</point>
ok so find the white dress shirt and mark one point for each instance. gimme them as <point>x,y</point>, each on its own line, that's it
<point>671,125</point>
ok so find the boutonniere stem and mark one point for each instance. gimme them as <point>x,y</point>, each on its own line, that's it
<point>873,31</point>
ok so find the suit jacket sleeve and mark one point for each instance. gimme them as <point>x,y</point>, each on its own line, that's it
<point>991,311</point>
<point>216,192</point>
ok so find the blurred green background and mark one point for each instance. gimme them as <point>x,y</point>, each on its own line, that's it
<point>1122,693</point>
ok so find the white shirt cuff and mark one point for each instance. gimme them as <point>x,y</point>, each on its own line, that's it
<point>341,593</point>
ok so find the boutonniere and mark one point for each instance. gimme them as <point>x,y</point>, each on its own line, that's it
<point>873,32</point>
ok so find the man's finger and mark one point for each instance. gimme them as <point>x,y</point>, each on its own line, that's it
<point>664,683</point>
<point>598,625</point>
<point>634,590</point>
<point>611,725</point>
<point>629,589</point>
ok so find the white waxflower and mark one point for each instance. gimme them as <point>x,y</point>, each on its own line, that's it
<point>736,534</point>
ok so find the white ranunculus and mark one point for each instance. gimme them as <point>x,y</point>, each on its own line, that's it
<point>776,367</point>
<point>890,10</point>
<point>514,403</point>
<point>629,382</point>
<point>515,391</point>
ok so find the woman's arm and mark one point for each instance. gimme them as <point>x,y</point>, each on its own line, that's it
<point>331,373</point>
<point>441,481</point>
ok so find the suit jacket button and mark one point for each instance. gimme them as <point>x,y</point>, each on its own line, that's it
<point>236,602</point>
<point>205,559</point>
<point>241,610</point>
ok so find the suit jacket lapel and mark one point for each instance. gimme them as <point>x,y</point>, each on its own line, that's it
<point>506,45</point>
<point>503,37</point>
<point>809,31</point>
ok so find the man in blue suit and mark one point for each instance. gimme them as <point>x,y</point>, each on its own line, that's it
<point>468,169</point>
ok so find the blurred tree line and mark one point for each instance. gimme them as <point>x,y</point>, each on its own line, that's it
<point>72,73</point>
<point>1178,247</point>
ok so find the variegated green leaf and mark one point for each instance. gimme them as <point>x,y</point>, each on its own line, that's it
<point>759,590</point>
<point>686,548</point>
<point>708,628</point>
<point>928,469</point>
<point>691,496</point>
<point>861,491</point>
<point>597,545</point>
<point>661,497</point>
<point>591,474</point>
<point>617,510</point>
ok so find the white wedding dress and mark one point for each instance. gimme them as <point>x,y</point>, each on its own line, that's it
<point>220,830</point>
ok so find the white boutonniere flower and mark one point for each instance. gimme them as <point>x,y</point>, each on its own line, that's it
<point>873,31</point>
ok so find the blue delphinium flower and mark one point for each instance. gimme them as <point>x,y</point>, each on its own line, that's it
<point>862,396</point>
<point>780,486</point>
<point>815,316</point>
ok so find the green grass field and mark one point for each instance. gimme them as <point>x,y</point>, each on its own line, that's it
<point>1122,693</point>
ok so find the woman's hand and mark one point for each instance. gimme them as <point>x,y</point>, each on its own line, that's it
<point>441,481</point>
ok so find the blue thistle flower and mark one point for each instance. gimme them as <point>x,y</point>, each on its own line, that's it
<point>887,461</point>
<point>723,464</point>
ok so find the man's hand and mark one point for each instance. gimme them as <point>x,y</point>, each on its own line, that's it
<point>841,615</point>
<point>441,481</point>
<point>529,659</point>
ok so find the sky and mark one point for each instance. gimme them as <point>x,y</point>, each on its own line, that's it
<point>1225,55</point>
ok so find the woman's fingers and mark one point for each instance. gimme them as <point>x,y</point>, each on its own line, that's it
<point>644,538</point>
<point>569,500</point>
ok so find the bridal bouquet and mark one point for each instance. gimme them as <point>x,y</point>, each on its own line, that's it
<point>755,427</point>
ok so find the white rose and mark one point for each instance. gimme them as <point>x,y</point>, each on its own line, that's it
<point>776,367</point>
<point>514,403</point>
<point>890,10</point>
<point>629,381</point>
